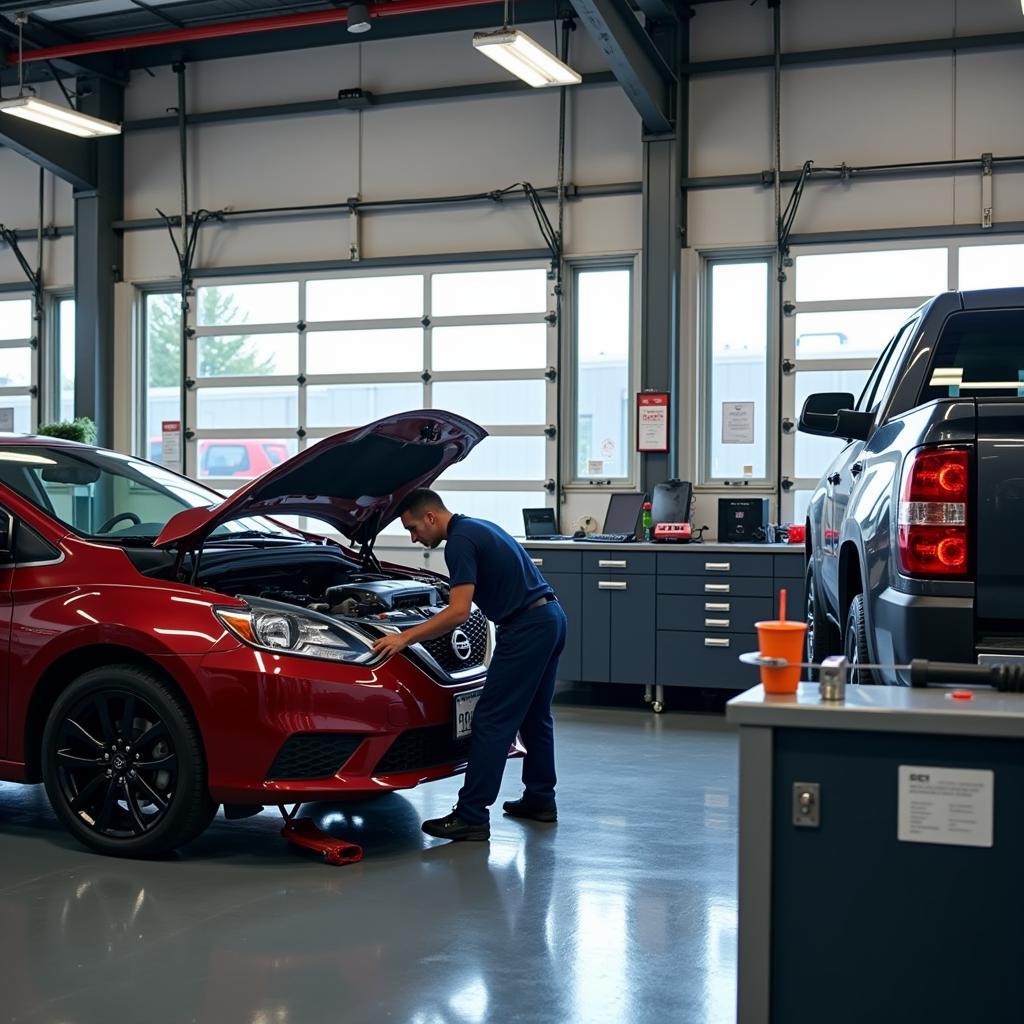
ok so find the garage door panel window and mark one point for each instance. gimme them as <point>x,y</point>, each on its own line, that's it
<point>392,297</point>
<point>396,350</point>
<point>814,453</point>
<point>65,379</point>
<point>846,334</point>
<point>501,507</point>
<point>493,402</point>
<point>490,347</point>
<point>16,367</point>
<point>273,302</point>
<point>351,405</point>
<point>247,355</point>
<point>15,319</point>
<point>991,266</point>
<point>162,358</point>
<point>878,274</point>
<point>233,407</point>
<point>502,458</point>
<point>242,458</point>
<point>489,292</point>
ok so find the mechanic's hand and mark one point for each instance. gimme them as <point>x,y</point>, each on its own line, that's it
<point>391,644</point>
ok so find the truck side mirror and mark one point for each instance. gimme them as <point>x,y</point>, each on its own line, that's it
<point>820,414</point>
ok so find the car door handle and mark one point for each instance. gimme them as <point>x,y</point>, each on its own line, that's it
<point>834,479</point>
<point>857,468</point>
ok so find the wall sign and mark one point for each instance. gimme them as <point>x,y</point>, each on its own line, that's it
<point>652,421</point>
<point>737,423</point>
<point>947,806</point>
<point>170,448</point>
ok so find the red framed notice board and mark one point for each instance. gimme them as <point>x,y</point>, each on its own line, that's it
<point>652,421</point>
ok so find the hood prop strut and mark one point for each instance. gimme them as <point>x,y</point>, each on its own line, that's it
<point>366,555</point>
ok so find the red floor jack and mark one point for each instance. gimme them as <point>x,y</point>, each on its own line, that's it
<point>305,832</point>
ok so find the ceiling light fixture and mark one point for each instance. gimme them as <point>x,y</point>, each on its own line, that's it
<point>51,115</point>
<point>359,18</point>
<point>515,51</point>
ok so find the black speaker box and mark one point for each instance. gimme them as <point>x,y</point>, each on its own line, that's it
<point>740,519</point>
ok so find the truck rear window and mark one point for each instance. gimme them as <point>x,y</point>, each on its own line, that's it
<point>979,354</point>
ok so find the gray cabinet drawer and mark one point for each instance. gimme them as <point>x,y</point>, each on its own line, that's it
<point>568,587</point>
<point>706,660</point>
<point>618,629</point>
<point>791,567</point>
<point>714,563</point>
<point>711,613</point>
<point>712,587</point>
<point>618,562</point>
<point>548,560</point>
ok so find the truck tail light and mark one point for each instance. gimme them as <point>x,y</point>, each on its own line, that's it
<point>933,522</point>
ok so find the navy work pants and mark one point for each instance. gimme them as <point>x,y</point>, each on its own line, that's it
<point>516,698</point>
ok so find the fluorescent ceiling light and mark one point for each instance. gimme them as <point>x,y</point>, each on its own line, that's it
<point>64,119</point>
<point>527,59</point>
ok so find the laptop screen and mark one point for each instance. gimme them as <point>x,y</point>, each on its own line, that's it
<point>539,522</point>
<point>623,513</point>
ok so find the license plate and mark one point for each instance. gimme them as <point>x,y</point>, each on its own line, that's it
<point>465,705</point>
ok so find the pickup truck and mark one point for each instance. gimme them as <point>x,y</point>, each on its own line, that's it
<point>915,533</point>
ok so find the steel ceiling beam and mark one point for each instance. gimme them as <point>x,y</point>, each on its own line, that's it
<point>634,60</point>
<point>69,158</point>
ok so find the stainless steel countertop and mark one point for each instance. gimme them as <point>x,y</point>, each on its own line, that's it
<point>884,709</point>
<point>572,545</point>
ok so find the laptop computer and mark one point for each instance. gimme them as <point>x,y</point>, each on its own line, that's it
<point>541,524</point>
<point>620,521</point>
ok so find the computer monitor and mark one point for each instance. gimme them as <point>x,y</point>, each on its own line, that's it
<point>623,513</point>
<point>539,522</point>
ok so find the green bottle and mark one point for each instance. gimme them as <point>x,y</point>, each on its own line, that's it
<point>647,520</point>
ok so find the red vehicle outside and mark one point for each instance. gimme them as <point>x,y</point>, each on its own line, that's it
<point>171,651</point>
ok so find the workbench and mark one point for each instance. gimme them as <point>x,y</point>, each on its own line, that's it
<point>663,614</point>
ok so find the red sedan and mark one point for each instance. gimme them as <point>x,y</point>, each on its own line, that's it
<point>170,650</point>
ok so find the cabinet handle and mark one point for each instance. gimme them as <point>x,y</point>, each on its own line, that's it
<point>537,562</point>
<point>717,588</point>
<point>717,566</point>
<point>716,623</point>
<point>713,606</point>
<point>611,584</point>
<point>717,641</point>
<point>611,563</point>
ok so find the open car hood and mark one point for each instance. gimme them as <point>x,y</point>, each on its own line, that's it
<point>354,480</point>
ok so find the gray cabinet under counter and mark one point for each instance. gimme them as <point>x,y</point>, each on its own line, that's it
<point>656,615</point>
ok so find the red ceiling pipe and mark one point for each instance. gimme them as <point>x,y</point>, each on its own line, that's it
<point>275,23</point>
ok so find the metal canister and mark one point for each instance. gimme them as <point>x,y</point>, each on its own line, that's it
<point>832,678</point>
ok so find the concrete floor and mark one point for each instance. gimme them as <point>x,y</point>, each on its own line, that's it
<point>623,912</point>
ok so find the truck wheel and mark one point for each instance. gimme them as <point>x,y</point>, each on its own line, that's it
<point>855,644</point>
<point>123,764</point>
<point>821,635</point>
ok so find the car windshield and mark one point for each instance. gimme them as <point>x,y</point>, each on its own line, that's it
<point>108,496</point>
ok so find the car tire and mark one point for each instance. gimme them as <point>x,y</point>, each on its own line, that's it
<point>123,764</point>
<point>821,634</point>
<point>855,643</point>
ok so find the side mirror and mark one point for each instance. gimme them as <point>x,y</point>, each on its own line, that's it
<point>6,537</point>
<point>820,414</point>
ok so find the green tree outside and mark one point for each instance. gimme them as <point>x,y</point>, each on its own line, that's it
<point>233,356</point>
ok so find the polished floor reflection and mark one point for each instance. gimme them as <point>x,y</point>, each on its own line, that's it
<point>623,912</point>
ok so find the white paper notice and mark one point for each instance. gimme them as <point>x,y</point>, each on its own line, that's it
<point>737,423</point>
<point>949,806</point>
<point>170,450</point>
<point>7,420</point>
<point>595,467</point>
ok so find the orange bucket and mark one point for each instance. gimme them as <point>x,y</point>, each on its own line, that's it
<point>781,640</point>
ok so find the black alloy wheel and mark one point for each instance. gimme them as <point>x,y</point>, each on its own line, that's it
<point>123,764</point>
<point>855,643</point>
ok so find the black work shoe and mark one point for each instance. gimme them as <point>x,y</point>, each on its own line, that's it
<point>546,810</point>
<point>453,827</point>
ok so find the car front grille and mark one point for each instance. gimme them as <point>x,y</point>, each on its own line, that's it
<point>428,747</point>
<point>314,755</point>
<point>442,651</point>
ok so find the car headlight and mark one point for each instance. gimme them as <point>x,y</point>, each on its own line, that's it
<point>284,629</point>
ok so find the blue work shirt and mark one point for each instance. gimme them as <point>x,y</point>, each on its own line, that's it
<point>483,554</point>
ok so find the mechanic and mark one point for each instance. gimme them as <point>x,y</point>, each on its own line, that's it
<point>488,566</point>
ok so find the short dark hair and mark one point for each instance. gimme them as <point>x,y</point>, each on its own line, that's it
<point>423,499</point>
